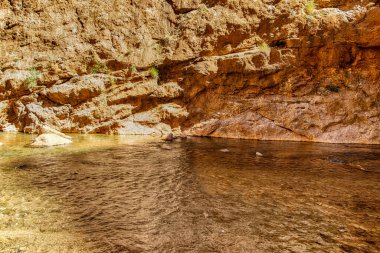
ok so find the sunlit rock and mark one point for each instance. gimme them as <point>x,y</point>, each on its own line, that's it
<point>77,90</point>
<point>10,128</point>
<point>49,139</point>
<point>44,129</point>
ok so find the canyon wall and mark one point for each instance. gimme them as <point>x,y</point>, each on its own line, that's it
<point>255,69</point>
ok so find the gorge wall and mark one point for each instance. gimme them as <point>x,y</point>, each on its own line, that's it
<point>256,69</point>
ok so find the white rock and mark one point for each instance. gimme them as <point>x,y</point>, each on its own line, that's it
<point>259,154</point>
<point>10,129</point>
<point>49,140</point>
<point>49,130</point>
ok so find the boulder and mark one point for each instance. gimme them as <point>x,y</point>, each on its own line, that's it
<point>10,129</point>
<point>170,137</point>
<point>77,90</point>
<point>44,129</point>
<point>49,140</point>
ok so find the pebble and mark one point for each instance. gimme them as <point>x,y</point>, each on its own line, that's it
<point>225,150</point>
<point>259,154</point>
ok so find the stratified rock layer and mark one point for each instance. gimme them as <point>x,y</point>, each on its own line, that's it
<point>264,69</point>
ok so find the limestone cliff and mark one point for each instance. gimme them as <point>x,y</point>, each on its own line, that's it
<point>258,69</point>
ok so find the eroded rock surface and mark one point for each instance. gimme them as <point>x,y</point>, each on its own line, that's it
<point>264,69</point>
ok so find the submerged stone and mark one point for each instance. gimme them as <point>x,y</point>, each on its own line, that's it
<point>166,147</point>
<point>170,137</point>
<point>259,154</point>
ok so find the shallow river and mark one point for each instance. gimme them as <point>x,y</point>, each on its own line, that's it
<point>124,194</point>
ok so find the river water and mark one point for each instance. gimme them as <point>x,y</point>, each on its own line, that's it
<point>124,194</point>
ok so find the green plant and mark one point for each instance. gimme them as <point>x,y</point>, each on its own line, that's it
<point>112,80</point>
<point>310,7</point>
<point>7,211</point>
<point>99,68</point>
<point>32,79</point>
<point>203,8</point>
<point>154,72</point>
<point>263,47</point>
<point>332,88</point>
<point>133,69</point>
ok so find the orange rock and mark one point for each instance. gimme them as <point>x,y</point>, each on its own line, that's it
<point>267,70</point>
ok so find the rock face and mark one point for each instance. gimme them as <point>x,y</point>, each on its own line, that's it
<point>263,69</point>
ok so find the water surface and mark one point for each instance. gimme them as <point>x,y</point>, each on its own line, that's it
<point>124,194</point>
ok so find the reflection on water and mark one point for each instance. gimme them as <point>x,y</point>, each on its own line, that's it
<point>122,194</point>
